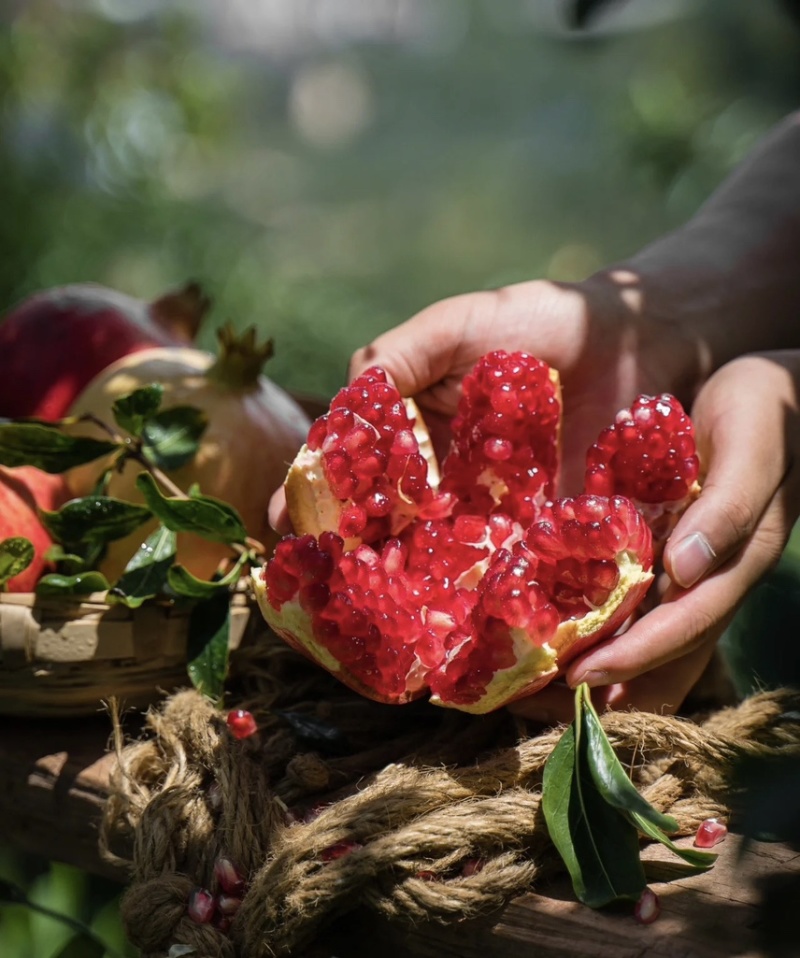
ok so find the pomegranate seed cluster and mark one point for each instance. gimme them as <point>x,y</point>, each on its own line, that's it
<point>370,456</point>
<point>449,587</point>
<point>504,455</point>
<point>649,454</point>
<point>577,544</point>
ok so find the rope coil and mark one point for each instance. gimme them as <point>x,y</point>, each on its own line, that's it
<point>413,826</point>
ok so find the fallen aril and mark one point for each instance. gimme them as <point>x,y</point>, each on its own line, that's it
<point>476,589</point>
<point>230,877</point>
<point>647,908</point>
<point>201,906</point>
<point>339,850</point>
<point>710,833</point>
<point>55,341</point>
<point>241,723</point>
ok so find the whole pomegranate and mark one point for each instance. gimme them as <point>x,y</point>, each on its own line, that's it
<point>54,342</point>
<point>254,430</point>
<point>477,589</point>
<point>22,491</point>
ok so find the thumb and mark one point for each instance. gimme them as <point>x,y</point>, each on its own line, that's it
<point>735,495</point>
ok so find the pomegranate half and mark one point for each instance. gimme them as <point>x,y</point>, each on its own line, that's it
<point>476,589</point>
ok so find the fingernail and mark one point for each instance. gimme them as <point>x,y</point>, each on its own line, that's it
<point>692,557</point>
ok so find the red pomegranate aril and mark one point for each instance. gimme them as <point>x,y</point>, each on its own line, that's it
<point>647,908</point>
<point>477,591</point>
<point>710,833</point>
<point>201,906</point>
<point>241,723</point>
<point>339,850</point>
<point>228,905</point>
<point>648,454</point>
<point>230,876</point>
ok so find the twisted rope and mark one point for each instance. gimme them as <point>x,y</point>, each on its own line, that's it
<point>413,826</point>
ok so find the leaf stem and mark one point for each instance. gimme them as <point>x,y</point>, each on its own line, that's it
<point>133,449</point>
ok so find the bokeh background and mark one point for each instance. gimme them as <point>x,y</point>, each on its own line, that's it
<point>325,168</point>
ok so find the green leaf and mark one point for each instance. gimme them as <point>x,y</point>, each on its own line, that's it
<point>696,857</point>
<point>207,517</point>
<point>95,519</point>
<point>84,583</point>
<point>145,576</point>
<point>47,448</point>
<point>209,631</point>
<point>171,438</point>
<point>16,554</point>
<point>68,562</point>
<point>133,411</point>
<point>82,946</point>
<point>182,582</point>
<point>598,845</point>
<point>609,776</point>
<point>619,791</point>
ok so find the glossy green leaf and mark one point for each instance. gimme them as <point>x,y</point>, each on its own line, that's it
<point>209,632</point>
<point>68,562</point>
<point>695,857</point>
<point>95,519</point>
<point>145,576</point>
<point>82,946</point>
<point>133,411</point>
<point>47,448</point>
<point>84,583</point>
<point>182,582</point>
<point>171,438</point>
<point>207,517</point>
<point>85,944</point>
<point>619,791</point>
<point>599,846</point>
<point>16,554</point>
<point>609,776</point>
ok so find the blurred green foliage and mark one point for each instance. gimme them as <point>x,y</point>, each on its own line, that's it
<point>328,168</point>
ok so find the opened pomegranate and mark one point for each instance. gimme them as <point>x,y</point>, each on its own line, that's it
<point>254,430</point>
<point>54,342</point>
<point>476,590</point>
<point>23,491</point>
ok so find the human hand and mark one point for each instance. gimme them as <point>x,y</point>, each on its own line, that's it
<point>748,432</point>
<point>592,332</point>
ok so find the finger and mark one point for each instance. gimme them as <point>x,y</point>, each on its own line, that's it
<point>278,514</point>
<point>738,487</point>
<point>552,705</point>
<point>663,689</point>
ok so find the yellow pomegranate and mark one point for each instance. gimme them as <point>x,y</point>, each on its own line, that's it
<point>254,431</point>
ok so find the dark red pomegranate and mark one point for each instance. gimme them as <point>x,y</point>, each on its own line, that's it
<point>53,343</point>
<point>478,589</point>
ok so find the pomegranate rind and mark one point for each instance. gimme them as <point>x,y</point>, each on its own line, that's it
<point>293,624</point>
<point>537,666</point>
<point>311,504</point>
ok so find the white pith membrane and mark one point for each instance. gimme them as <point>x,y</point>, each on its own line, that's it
<point>313,506</point>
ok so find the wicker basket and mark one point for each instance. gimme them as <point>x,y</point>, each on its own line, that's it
<point>60,657</point>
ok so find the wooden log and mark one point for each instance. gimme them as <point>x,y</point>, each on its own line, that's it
<point>54,778</point>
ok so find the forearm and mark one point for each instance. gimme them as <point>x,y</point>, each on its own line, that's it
<point>729,280</point>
